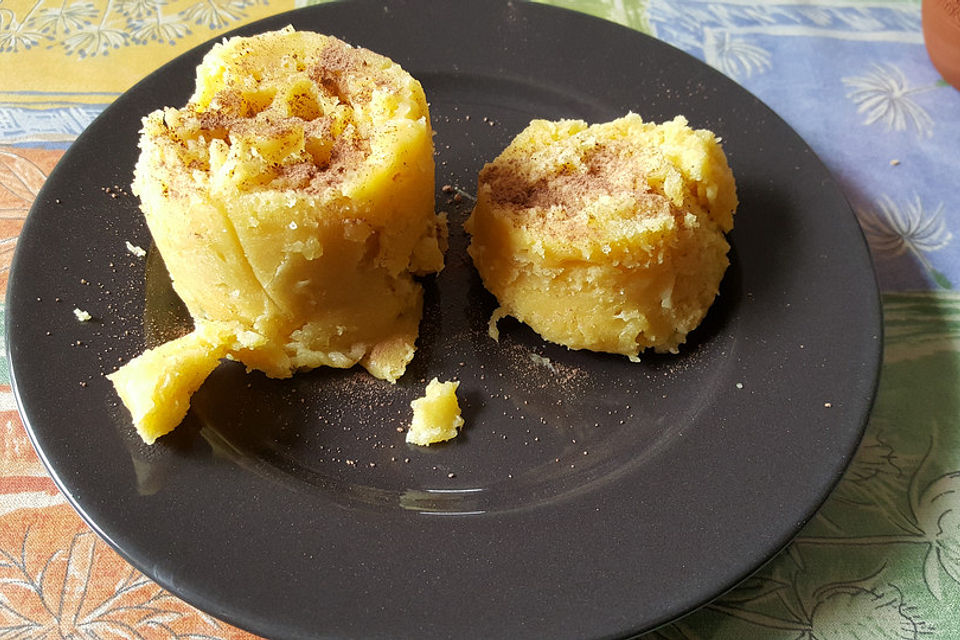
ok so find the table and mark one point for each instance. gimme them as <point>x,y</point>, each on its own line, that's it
<point>880,560</point>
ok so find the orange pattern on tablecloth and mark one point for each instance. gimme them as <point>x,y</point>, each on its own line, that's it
<point>22,172</point>
<point>24,482</point>
<point>57,578</point>
<point>64,582</point>
<point>17,457</point>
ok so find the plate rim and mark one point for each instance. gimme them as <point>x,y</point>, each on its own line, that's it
<point>231,617</point>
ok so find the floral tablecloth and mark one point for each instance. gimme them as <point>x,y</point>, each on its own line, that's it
<point>880,561</point>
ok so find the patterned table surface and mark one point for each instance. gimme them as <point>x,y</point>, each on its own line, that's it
<point>881,559</point>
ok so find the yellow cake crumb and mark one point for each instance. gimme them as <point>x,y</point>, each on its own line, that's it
<point>436,416</point>
<point>136,249</point>
<point>156,386</point>
<point>292,200</point>
<point>607,237</point>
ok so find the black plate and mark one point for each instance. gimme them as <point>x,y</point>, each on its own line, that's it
<point>587,496</point>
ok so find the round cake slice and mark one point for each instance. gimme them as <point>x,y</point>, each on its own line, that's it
<point>292,200</point>
<point>607,237</point>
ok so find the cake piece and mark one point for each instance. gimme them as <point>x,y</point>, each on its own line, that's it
<point>607,237</point>
<point>436,415</point>
<point>292,200</point>
<point>156,385</point>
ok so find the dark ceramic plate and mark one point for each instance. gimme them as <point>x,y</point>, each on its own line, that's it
<point>588,497</point>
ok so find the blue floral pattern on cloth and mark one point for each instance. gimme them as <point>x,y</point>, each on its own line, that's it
<point>854,80</point>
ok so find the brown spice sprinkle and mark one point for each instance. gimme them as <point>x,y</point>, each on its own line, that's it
<point>559,198</point>
<point>603,171</point>
<point>333,140</point>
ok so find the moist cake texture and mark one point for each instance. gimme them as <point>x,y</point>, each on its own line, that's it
<point>436,415</point>
<point>607,237</point>
<point>292,200</point>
